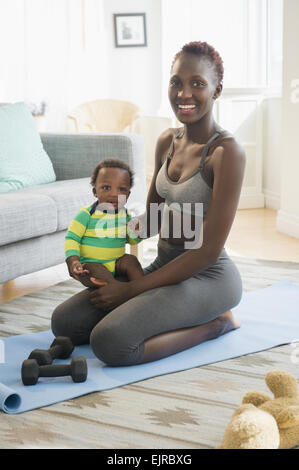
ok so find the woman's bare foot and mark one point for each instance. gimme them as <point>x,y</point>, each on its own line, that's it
<point>227,322</point>
<point>171,342</point>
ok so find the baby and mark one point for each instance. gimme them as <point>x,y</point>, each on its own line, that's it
<point>96,237</point>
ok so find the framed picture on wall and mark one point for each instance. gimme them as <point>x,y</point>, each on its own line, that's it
<point>130,30</point>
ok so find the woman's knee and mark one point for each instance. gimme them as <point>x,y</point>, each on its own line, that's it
<point>62,324</point>
<point>111,345</point>
<point>59,322</point>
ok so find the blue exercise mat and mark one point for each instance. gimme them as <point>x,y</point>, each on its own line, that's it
<point>269,318</point>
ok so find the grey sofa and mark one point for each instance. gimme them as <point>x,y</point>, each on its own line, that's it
<point>33,221</point>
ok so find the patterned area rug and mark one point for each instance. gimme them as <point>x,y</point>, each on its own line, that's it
<point>183,410</point>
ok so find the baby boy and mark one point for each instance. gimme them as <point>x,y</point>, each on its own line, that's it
<point>96,237</point>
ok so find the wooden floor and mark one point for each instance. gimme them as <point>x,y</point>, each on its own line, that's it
<point>253,235</point>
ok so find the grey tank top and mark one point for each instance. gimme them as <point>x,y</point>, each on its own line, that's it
<point>188,191</point>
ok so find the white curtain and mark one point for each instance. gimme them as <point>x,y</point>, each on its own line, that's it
<point>11,50</point>
<point>52,51</point>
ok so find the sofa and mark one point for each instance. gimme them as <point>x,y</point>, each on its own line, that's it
<point>34,220</point>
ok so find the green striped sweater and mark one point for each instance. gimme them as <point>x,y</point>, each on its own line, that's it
<point>99,236</point>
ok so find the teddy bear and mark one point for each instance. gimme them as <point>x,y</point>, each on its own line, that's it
<point>263,422</point>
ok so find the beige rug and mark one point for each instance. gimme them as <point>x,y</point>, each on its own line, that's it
<point>183,410</point>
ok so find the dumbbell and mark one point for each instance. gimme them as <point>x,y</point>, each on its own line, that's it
<point>31,370</point>
<point>61,348</point>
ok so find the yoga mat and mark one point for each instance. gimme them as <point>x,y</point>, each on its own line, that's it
<point>269,318</point>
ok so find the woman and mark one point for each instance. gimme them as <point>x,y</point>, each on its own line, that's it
<point>186,294</point>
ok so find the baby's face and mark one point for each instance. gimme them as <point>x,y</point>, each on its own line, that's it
<point>113,187</point>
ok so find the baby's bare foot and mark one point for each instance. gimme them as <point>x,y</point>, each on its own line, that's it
<point>98,271</point>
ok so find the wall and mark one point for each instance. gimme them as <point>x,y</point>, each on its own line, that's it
<point>272,153</point>
<point>135,72</point>
<point>288,215</point>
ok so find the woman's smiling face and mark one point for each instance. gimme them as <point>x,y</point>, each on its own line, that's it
<point>192,86</point>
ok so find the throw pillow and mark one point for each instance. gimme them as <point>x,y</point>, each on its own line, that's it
<point>23,160</point>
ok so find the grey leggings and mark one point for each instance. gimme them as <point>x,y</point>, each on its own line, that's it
<point>117,337</point>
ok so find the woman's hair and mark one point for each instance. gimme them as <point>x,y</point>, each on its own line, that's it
<point>111,163</point>
<point>203,49</point>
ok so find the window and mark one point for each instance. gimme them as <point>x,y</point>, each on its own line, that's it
<point>248,36</point>
<point>246,33</point>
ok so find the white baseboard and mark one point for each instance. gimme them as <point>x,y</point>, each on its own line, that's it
<point>272,199</point>
<point>251,201</point>
<point>287,223</point>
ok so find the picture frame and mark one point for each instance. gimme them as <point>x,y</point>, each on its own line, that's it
<point>130,29</point>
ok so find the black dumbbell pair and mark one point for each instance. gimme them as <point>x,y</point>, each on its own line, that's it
<point>39,363</point>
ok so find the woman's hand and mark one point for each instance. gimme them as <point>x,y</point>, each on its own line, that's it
<point>110,294</point>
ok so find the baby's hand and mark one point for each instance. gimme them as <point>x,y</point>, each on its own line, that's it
<point>136,226</point>
<point>78,269</point>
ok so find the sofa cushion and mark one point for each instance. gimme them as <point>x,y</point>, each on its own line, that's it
<point>68,196</point>
<point>71,195</point>
<point>26,215</point>
<point>44,209</point>
<point>23,160</point>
